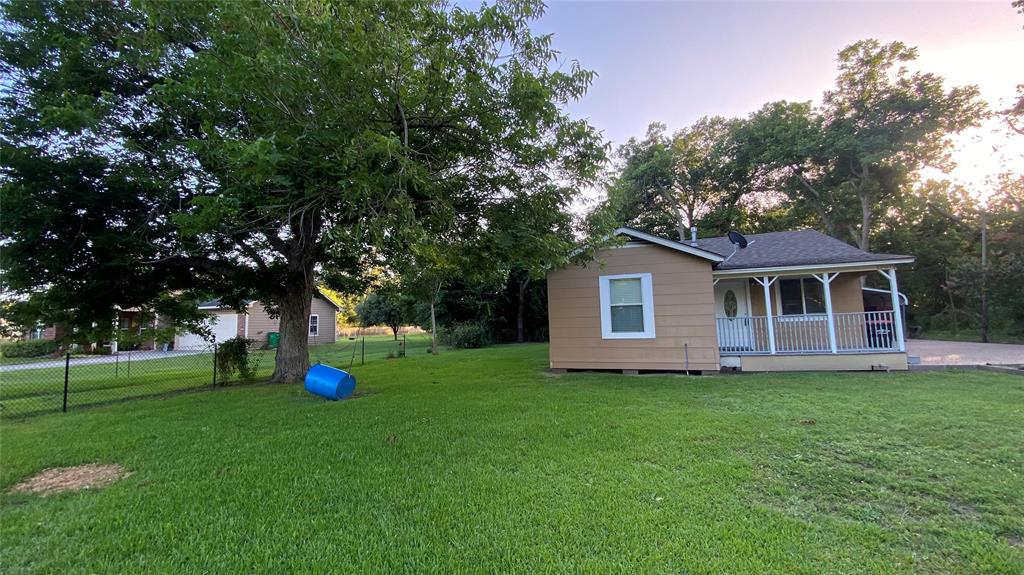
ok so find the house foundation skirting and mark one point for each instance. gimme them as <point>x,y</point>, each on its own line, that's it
<point>891,361</point>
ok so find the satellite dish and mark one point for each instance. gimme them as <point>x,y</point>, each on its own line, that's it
<point>738,239</point>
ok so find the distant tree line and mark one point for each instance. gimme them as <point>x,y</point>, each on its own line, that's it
<point>502,312</point>
<point>158,153</point>
<point>850,167</point>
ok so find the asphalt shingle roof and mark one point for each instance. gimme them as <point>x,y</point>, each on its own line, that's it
<point>215,303</point>
<point>794,248</point>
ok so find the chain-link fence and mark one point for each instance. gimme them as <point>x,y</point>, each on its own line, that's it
<point>47,385</point>
<point>356,350</point>
<point>76,380</point>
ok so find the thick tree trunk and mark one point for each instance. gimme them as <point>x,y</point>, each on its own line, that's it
<point>685,219</point>
<point>433,329</point>
<point>952,303</point>
<point>521,314</point>
<point>984,279</point>
<point>301,252</point>
<point>293,350</point>
<point>865,221</point>
<point>681,226</point>
<point>818,205</point>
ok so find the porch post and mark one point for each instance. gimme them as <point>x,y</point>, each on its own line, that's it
<point>117,333</point>
<point>767,284</point>
<point>890,274</point>
<point>826,282</point>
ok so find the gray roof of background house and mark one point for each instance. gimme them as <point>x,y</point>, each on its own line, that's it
<point>215,303</point>
<point>794,248</point>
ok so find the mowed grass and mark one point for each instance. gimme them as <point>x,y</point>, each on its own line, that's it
<point>972,335</point>
<point>479,462</point>
<point>96,379</point>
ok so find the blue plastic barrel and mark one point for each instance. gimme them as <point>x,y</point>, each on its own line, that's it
<point>329,382</point>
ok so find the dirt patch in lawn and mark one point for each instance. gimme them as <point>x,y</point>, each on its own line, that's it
<point>59,479</point>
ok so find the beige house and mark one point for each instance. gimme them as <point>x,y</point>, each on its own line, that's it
<point>782,301</point>
<point>255,323</point>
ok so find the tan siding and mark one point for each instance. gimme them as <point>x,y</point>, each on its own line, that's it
<point>683,313</point>
<point>260,322</point>
<point>847,296</point>
<point>328,321</point>
<point>824,362</point>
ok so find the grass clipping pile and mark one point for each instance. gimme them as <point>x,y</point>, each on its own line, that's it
<point>79,477</point>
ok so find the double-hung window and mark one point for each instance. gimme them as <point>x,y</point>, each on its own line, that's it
<point>801,296</point>
<point>627,306</point>
<point>314,325</point>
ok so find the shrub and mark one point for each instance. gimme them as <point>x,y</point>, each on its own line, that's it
<point>30,348</point>
<point>233,357</point>
<point>467,335</point>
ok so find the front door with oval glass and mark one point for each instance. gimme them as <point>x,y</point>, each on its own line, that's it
<point>732,313</point>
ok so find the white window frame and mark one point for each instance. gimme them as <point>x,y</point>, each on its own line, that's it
<point>803,297</point>
<point>647,301</point>
<point>309,329</point>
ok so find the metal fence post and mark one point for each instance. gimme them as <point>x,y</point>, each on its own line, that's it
<point>215,364</point>
<point>362,356</point>
<point>67,368</point>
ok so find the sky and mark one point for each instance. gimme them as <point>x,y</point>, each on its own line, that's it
<point>674,62</point>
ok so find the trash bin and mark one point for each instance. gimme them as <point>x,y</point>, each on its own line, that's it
<point>880,334</point>
<point>272,339</point>
<point>329,382</point>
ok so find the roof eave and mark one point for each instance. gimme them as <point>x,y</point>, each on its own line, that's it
<point>678,246</point>
<point>810,268</point>
<point>328,298</point>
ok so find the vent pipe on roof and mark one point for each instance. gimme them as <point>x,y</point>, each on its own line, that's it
<point>693,236</point>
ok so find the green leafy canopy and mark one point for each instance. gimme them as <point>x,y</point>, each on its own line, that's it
<point>286,143</point>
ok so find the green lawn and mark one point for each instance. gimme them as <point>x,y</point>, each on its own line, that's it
<point>95,379</point>
<point>478,461</point>
<point>994,336</point>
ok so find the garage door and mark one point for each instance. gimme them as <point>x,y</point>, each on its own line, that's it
<point>225,326</point>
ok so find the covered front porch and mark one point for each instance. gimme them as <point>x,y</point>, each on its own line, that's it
<point>810,318</point>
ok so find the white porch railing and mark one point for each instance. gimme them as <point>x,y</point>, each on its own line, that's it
<point>870,331</point>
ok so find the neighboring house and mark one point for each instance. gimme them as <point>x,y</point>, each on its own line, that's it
<point>787,301</point>
<point>255,323</point>
<point>48,332</point>
<point>129,321</point>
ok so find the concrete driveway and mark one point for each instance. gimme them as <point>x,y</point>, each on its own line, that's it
<point>120,357</point>
<point>964,353</point>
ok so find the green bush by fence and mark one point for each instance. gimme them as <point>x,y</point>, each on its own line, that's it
<point>30,348</point>
<point>467,335</point>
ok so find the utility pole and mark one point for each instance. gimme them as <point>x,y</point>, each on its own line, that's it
<point>984,279</point>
